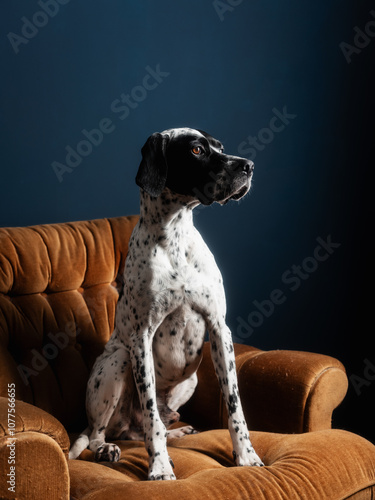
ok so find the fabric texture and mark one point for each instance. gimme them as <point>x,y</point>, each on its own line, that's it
<point>300,466</point>
<point>59,286</point>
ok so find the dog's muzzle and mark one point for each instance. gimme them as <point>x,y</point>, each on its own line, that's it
<point>238,182</point>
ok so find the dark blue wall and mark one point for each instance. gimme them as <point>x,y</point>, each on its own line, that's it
<point>294,252</point>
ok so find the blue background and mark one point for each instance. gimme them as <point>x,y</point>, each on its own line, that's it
<point>227,72</point>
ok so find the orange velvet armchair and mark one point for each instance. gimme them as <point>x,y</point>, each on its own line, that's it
<point>59,286</point>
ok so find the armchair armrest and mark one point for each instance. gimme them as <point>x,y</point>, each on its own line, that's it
<point>281,391</point>
<point>290,391</point>
<point>33,453</point>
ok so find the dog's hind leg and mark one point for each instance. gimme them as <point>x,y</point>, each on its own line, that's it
<point>178,397</point>
<point>105,389</point>
<point>81,443</point>
<point>182,392</point>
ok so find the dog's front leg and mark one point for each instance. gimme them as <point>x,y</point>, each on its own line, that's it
<point>155,434</point>
<point>222,353</point>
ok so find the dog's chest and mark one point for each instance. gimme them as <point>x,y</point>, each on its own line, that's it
<point>177,346</point>
<point>164,273</point>
<point>175,283</point>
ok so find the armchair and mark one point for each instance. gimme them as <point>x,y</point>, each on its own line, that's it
<point>59,286</point>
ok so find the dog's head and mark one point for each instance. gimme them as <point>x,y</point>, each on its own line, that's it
<point>192,163</point>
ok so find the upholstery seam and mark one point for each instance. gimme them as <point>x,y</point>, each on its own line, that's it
<point>77,229</point>
<point>113,248</point>
<point>33,228</point>
<point>17,257</point>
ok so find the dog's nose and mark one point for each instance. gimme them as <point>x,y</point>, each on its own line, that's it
<point>248,167</point>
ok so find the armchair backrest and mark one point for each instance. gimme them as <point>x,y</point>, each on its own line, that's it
<point>59,286</point>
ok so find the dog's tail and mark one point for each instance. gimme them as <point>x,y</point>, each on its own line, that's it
<point>80,444</point>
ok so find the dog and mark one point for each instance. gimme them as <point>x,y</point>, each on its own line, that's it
<point>173,294</point>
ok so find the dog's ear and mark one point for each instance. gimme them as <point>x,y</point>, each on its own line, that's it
<point>152,171</point>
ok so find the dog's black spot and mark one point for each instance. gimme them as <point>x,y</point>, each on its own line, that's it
<point>142,388</point>
<point>233,402</point>
<point>173,332</point>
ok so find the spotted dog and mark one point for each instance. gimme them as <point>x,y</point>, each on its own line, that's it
<point>173,294</point>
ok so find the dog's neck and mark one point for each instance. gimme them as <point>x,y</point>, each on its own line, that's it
<point>167,213</point>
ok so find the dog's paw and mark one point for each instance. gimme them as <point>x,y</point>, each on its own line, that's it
<point>181,431</point>
<point>160,471</point>
<point>108,452</point>
<point>250,459</point>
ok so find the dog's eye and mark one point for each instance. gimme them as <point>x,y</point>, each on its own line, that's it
<point>197,150</point>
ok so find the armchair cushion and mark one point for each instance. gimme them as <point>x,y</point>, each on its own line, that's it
<point>322,465</point>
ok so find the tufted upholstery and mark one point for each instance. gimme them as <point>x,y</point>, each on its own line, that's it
<point>57,303</point>
<point>59,286</point>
